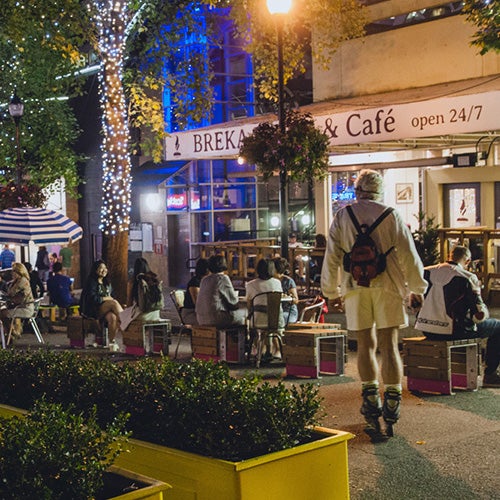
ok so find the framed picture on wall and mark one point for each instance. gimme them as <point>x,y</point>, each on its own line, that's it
<point>404,192</point>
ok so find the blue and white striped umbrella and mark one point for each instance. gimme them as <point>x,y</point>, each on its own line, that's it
<point>39,225</point>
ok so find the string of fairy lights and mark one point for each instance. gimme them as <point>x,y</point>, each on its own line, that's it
<point>110,18</point>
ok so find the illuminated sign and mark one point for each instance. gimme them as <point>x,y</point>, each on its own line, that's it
<point>177,201</point>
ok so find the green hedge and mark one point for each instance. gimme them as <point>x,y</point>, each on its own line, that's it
<point>195,406</point>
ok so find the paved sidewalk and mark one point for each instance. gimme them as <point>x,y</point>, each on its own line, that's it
<point>445,447</point>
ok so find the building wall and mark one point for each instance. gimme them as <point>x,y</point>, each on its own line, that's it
<point>414,56</point>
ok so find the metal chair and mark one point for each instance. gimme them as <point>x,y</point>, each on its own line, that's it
<point>177,297</point>
<point>31,321</point>
<point>265,316</point>
<point>311,313</point>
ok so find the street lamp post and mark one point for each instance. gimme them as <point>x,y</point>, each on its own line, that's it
<point>16,109</point>
<point>279,9</point>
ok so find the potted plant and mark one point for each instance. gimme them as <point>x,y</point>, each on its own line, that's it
<point>302,149</point>
<point>426,239</point>
<point>55,453</point>
<point>194,426</point>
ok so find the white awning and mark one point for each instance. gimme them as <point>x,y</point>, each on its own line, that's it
<point>439,116</point>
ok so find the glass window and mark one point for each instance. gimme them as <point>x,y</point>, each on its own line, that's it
<point>234,196</point>
<point>342,189</point>
<point>200,198</point>
<point>461,205</point>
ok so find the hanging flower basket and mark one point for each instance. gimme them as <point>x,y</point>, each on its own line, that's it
<point>25,195</point>
<point>302,149</point>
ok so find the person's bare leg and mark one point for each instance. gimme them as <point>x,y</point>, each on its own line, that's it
<point>112,321</point>
<point>392,375</point>
<point>392,366</point>
<point>371,407</point>
<point>367,359</point>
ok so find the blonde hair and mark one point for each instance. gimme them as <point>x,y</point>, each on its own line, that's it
<point>20,269</point>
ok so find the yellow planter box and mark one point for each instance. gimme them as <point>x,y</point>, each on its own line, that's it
<point>155,489</point>
<point>313,470</point>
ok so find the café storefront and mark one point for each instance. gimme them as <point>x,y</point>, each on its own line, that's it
<point>415,137</point>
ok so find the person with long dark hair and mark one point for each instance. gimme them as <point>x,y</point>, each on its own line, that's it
<point>142,272</point>
<point>217,303</point>
<point>97,301</point>
<point>188,312</point>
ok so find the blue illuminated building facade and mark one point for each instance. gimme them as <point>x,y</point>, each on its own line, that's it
<point>219,199</point>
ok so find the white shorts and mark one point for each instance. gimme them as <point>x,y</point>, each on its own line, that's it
<point>365,307</point>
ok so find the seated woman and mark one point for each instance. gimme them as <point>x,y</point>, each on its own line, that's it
<point>290,310</point>
<point>96,300</point>
<point>136,310</point>
<point>19,298</point>
<point>188,312</point>
<point>217,303</point>
<point>266,282</point>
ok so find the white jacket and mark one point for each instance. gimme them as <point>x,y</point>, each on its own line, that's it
<point>404,272</point>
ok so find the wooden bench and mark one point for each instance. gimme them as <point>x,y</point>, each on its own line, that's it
<point>314,349</point>
<point>439,366</point>
<point>219,344</point>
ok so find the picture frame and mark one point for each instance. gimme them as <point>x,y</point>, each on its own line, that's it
<point>404,192</point>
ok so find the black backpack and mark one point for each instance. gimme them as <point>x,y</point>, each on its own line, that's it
<point>150,292</point>
<point>364,261</point>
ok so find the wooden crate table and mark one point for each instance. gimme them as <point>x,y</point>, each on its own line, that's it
<point>147,337</point>
<point>223,344</point>
<point>438,366</point>
<point>311,351</point>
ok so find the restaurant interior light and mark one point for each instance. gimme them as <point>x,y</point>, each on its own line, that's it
<point>274,221</point>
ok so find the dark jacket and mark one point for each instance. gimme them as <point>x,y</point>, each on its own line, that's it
<point>91,298</point>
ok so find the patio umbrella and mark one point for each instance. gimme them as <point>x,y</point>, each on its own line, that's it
<point>39,225</point>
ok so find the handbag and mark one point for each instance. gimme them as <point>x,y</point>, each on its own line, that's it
<point>15,300</point>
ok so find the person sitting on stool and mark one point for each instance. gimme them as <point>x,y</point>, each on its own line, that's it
<point>60,287</point>
<point>454,309</point>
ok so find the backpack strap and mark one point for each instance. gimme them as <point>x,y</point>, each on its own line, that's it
<point>369,229</point>
<point>382,216</point>
<point>354,220</point>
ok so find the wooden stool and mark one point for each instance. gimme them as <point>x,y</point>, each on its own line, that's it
<point>311,351</point>
<point>147,337</point>
<point>219,344</point>
<point>438,366</point>
<point>78,327</point>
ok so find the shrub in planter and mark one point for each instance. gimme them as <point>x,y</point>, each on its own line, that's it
<point>194,406</point>
<point>54,453</point>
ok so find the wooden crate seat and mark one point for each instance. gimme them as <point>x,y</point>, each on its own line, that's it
<point>219,344</point>
<point>439,366</point>
<point>314,349</point>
